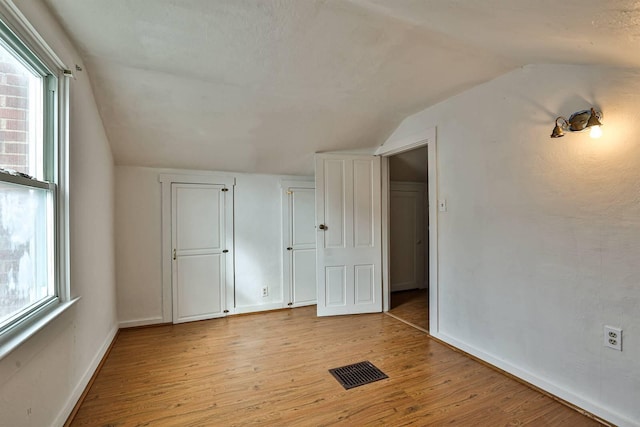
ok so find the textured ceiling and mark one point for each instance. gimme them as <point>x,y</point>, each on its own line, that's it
<point>260,85</point>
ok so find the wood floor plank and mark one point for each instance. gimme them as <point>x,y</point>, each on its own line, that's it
<point>272,369</point>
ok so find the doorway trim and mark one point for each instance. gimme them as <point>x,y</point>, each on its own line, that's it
<point>166,180</point>
<point>428,138</point>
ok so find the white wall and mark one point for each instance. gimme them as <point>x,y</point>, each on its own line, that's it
<point>540,245</point>
<point>41,380</point>
<point>258,242</point>
<point>138,245</point>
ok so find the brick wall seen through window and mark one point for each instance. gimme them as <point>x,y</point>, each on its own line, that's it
<point>14,154</point>
<point>14,106</point>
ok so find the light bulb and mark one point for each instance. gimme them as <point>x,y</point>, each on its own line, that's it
<point>596,132</point>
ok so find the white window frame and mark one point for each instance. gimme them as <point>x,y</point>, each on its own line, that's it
<point>21,35</point>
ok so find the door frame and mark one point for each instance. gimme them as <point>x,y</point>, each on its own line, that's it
<point>428,138</point>
<point>166,181</point>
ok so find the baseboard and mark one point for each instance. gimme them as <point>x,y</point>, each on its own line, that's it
<point>583,405</point>
<point>88,375</point>
<point>258,308</point>
<point>141,322</point>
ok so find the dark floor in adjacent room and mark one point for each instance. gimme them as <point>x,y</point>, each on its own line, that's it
<point>411,306</point>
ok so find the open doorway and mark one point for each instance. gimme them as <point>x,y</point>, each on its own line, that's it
<point>409,237</point>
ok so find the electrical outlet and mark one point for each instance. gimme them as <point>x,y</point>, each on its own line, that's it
<point>613,337</point>
<point>265,291</point>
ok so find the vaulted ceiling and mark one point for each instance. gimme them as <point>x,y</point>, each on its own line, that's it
<point>260,85</point>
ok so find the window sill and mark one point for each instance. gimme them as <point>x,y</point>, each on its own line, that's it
<point>24,332</point>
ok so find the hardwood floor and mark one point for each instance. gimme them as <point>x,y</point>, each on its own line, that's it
<point>271,369</point>
<point>411,306</point>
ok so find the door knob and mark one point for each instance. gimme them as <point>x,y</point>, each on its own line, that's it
<point>322,227</point>
<point>289,248</point>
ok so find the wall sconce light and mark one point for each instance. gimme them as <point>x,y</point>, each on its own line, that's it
<point>578,122</point>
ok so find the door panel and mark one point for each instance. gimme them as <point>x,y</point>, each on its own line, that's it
<point>199,206</point>
<point>349,249</point>
<point>336,286</point>
<point>363,213</point>
<point>199,276</point>
<point>364,284</point>
<point>198,235</point>
<point>304,277</point>
<point>303,232</point>
<point>334,173</point>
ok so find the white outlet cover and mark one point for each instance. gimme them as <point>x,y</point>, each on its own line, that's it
<point>442,205</point>
<point>613,337</point>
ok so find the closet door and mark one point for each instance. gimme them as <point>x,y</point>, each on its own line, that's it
<point>407,245</point>
<point>300,244</point>
<point>199,273</point>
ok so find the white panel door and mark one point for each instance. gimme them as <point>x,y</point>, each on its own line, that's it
<point>348,234</point>
<point>406,252</point>
<point>198,237</point>
<point>300,241</point>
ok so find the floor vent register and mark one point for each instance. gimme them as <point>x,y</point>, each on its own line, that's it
<point>358,374</point>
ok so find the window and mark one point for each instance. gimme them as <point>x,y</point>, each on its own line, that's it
<point>29,251</point>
